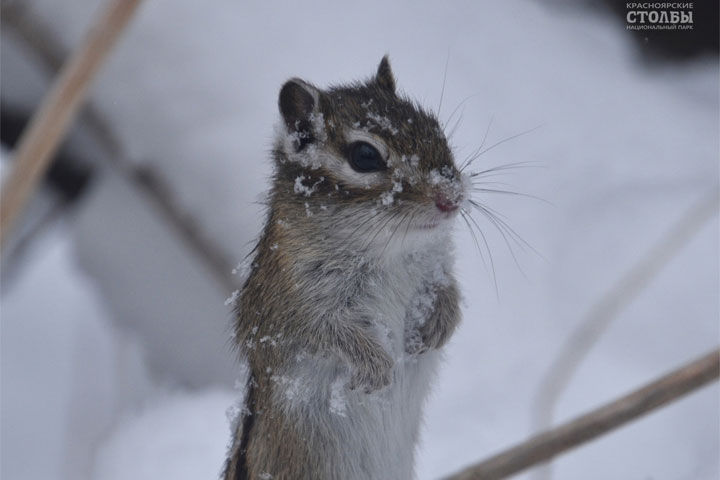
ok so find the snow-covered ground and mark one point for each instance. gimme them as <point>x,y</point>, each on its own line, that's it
<point>114,359</point>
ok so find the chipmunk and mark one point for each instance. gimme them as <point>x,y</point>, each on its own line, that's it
<point>351,290</point>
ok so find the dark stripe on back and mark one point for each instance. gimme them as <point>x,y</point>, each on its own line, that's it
<point>241,467</point>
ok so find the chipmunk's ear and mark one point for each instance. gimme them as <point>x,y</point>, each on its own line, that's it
<point>384,77</point>
<point>298,101</point>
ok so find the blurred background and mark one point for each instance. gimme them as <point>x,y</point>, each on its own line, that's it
<point>115,349</point>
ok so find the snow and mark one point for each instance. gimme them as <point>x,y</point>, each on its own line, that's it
<point>338,401</point>
<point>383,122</point>
<point>295,389</point>
<point>387,198</point>
<point>183,436</point>
<point>66,372</point>
<point>232,299</point>
<point>92,356</point>
<point>301,189</point>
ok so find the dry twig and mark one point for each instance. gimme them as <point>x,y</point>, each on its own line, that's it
<point>602,313</point>
<point>46,49</point>
<point>59,107</point>
<point>545,446</point>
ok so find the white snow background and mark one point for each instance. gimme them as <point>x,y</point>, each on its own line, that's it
<point>115,361</point>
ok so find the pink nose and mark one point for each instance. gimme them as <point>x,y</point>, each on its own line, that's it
<point>444,204</point>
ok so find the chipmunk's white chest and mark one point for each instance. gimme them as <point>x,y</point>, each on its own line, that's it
<point>393,416</point>
<point>374,435</point>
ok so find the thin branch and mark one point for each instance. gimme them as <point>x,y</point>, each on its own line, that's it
<point>50,54</point>
<point>547,445</point>
<point>50,51</point>
<point>157,192</point>
<point>46,48</point>
<point>53,118</point>
<point>601,315</point>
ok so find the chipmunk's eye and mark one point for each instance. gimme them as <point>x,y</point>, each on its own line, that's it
<point>365,158</point>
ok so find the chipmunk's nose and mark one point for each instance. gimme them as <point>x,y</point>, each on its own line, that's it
<point>445,203</point>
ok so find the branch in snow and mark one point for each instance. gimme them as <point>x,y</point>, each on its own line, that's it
<point>601,315</point>
<point>545,446</point>
<point>19,20</point>
<point>57,111</point>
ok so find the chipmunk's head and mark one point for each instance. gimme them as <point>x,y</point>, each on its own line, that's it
<point>375,163</point>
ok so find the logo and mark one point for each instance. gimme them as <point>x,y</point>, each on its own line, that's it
<point>659,16</point>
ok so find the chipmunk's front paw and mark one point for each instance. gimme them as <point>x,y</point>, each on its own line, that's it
<point>414,343</point>
<point>431,335</point>
<point>374,373</point>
